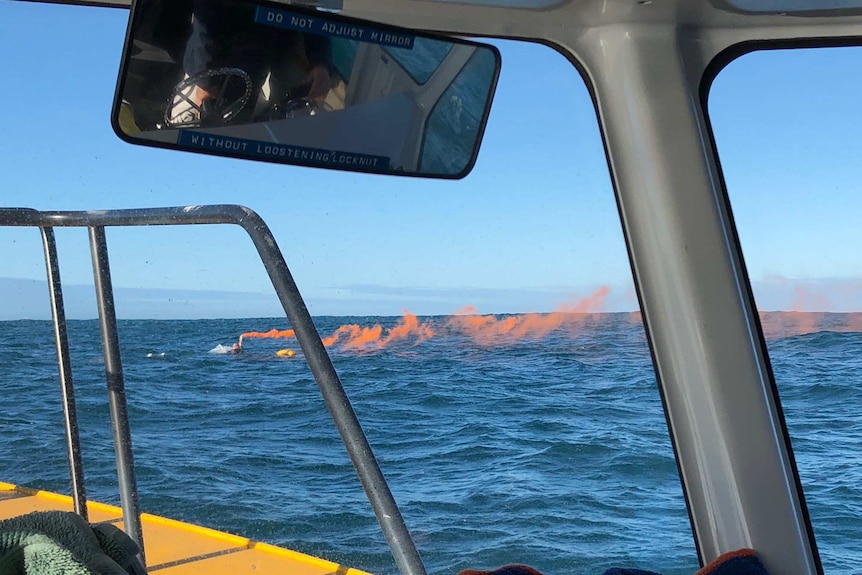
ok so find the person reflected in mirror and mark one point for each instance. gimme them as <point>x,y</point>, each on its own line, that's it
<point>278,63</point>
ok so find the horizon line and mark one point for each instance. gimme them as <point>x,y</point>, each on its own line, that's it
<point>398,316</point>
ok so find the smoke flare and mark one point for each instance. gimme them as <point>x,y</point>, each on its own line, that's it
<point>574,316</point>
<point>271,334</point>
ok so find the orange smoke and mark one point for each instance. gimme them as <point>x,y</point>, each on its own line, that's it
<point>409,326</point>
<point>482,329</point>
<point>807,299</point>
<point>271,334</point>
<point>778,324</point>
<point>356,337</point>
<point>487,329</point>
<point>571,316</point>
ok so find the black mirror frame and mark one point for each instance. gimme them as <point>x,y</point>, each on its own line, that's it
<point>135,15</point>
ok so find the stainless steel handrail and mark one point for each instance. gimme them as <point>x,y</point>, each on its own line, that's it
<point>64,365</point>
<point>373,482</point>
<point>116,387</point>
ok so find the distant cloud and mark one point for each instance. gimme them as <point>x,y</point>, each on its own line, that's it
<point>28,299</point>
<point>444,301</point>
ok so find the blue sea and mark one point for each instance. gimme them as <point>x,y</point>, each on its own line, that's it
<point>540,446</point>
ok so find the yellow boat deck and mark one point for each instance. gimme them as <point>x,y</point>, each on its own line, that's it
<point>176,548</point>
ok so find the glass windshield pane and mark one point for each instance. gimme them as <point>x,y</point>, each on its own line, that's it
<point>422,59</point>
<point>786,125</point>
<point>767,6</point>
<point>452,121</point>
<point>343,55</point>
<point>486,331</point>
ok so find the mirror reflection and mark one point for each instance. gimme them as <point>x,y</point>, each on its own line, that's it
<point>277,83</point>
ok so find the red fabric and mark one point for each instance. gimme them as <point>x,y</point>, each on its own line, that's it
<point>740,562</point>
<point>513,569</point>
<point>719,561</point>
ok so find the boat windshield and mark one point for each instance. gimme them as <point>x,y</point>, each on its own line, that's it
<point>486,330</point>
<point>796,202</point>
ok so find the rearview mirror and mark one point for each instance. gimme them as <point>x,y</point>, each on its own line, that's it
<point>266,81</point>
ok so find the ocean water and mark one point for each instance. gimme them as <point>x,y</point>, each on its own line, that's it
<point>503,440</point>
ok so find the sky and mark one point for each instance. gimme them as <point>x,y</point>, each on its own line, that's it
<point>532,228</point>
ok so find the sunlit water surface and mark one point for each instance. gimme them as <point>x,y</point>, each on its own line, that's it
<point>551,451</point>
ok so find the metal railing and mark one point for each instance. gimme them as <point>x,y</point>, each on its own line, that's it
<point>382,502</point>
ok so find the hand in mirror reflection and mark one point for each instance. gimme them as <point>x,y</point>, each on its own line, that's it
<point>277,66</point>
<point>319,82</point>
<point>187,106</point>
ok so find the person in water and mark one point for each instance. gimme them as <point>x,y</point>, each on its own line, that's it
<point>237,347</point>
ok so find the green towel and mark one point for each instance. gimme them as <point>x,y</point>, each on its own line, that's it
<point>63,543</point>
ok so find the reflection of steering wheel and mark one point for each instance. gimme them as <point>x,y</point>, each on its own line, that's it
<point>229,88</point>
<point>297,108</point>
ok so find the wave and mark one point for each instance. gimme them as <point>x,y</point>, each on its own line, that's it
<point>221,349</point>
